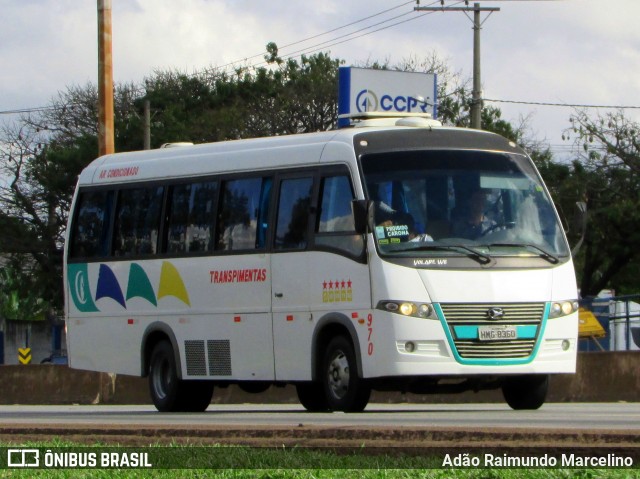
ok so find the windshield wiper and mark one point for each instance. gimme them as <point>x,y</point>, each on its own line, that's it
<point>541,252</point>
<point>471,253</point>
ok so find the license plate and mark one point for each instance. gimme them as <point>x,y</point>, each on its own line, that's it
<point>496,333</point>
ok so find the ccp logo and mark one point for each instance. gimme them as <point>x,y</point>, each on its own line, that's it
<point>367,100</point>
<point>23,458</point>
<point>403,103</point>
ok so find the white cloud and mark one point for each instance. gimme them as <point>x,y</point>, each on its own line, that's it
<point>562,51</point>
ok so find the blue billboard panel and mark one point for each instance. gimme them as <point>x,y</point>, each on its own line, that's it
<point>363,90</point>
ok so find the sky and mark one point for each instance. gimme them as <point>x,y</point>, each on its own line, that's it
<point>582,52</point>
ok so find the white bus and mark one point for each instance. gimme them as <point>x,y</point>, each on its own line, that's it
<point>393,255</point>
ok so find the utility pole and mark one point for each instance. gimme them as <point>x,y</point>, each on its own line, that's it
<point>105,80</point>
<point>147,125</point>
<point>476,94</point>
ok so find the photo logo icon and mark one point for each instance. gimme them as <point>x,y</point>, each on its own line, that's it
<point>23,458</point>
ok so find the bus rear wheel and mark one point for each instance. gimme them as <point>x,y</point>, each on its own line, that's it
<point>195,396</point>
<point>168,392</point>
<point>526,392</point>
<point>311,396</point>
<point>344,390</point>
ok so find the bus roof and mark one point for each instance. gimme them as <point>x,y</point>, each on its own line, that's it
<point>274,152</point>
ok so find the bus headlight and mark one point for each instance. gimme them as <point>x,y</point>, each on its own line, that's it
<point>563,308</point>
<point>407,308</point>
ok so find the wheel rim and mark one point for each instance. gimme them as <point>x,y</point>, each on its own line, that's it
<point>161,377</point>
<point>338,375</point>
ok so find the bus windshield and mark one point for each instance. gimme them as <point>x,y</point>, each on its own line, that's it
<point>452,202</point>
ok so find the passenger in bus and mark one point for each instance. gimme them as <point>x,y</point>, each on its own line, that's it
<point>472,223</point>
<point>384,214</point>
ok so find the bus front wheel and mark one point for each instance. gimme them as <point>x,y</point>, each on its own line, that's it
<point>344,390</point>
<point>168,392</point>
<point>526,392</point>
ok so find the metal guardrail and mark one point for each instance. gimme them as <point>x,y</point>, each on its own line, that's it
<point>616,313</point>
<point>627,317</point>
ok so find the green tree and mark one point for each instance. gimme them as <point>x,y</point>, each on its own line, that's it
<point>18,301</point>
<point>35,204</point>
<point>284,97</point>
<point>608,175</point>
<point>42,154</point>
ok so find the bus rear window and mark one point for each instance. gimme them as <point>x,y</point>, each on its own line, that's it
<point>90,234</point>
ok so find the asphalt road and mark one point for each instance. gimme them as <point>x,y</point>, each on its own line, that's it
<point>569,416</point>
<point>383,425</point>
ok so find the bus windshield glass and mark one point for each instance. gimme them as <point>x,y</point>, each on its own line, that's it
<point>451,202</point>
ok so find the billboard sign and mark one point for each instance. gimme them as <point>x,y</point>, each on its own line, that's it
<point>364,90</point>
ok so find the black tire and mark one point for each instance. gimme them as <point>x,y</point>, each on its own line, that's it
<point>170,394</point>
<point>311,396</point>
<point>195,396</point>
<point>526,392</point>
<point>163,378</point>
<point>344,390</point>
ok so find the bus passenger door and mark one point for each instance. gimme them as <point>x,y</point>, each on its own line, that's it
<point>292,327</point>
<point>325,277</point>
<point>340,289</point>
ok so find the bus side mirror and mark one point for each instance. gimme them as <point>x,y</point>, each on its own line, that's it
<point>362,210</point>
<point>580,222</point>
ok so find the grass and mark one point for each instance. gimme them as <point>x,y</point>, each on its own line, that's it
<point>323,474</point>
<point>229,462</point>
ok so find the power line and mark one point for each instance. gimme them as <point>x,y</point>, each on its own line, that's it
<point>492,100</point>
<point>27,110</point>
<point>568,105</point>
<point>40,109</point>
<point>333,42</point>
<point>310,49</point>
<point>258,55</point>
<point>349,37</point>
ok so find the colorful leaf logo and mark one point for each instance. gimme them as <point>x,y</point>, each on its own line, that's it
<point>108,286</point>
<point>78,278</point>
<point>139,285</point>
<point>171,284</point>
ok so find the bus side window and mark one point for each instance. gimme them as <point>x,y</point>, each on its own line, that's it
<point>263,213</point>
<point>90,233</point>
<point>240,212</point>
<point>190,220</point>
<point>293,213</point>
<point>335,228</point>
<point>138,221</point>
